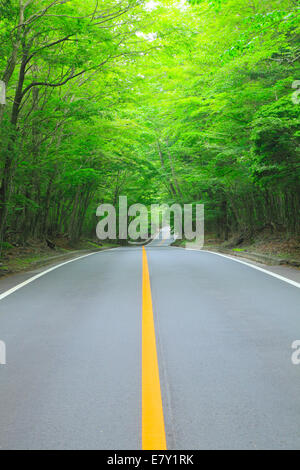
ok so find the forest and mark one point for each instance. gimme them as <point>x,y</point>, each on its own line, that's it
<point>162,101</point>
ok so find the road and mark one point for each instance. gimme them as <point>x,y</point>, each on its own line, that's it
<point>75,377</point>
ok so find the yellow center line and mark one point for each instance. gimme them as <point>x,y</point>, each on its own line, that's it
<point>163,241</point>
<point>153,426</point>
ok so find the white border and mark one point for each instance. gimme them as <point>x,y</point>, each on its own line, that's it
<point>270,273</point>
<point>37,276</point>
<point>31,279</point>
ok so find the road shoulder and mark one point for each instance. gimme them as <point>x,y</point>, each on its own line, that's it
<point>11,280</point>
<point>289,272</point>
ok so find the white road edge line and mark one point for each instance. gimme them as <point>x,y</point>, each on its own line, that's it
<point>270,273</point>
<point>31,279</point>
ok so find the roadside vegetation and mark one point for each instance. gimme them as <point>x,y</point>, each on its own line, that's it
<point>162,101</point>
<point>34,253</point>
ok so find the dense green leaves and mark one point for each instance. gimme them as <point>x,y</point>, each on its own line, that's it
<point>162,101</point>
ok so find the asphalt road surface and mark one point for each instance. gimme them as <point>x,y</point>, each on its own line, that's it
<point>223,332</point>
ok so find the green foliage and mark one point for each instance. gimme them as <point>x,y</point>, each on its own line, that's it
<point>6,246</point>
<point>194,107</point>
